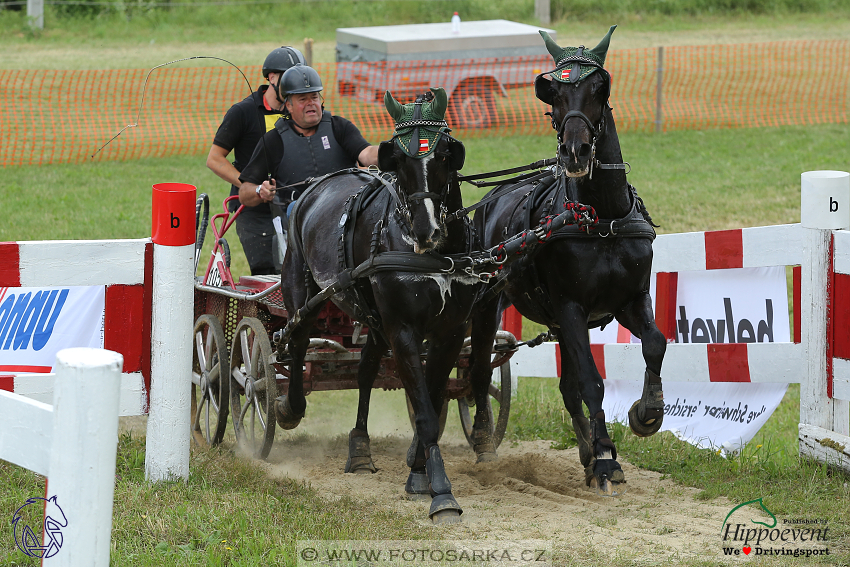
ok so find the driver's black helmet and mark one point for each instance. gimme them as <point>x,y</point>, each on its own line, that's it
<point>300,79</point>
<point>282,59</point>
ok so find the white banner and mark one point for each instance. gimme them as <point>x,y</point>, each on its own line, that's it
<point>38,322</point>
<point>742,305</point>
<point>710,415</point>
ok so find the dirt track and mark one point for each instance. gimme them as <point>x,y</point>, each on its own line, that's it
<point>532,492</point>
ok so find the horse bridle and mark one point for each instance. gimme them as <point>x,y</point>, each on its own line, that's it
<point>596,131</point>
<point>438,197</point>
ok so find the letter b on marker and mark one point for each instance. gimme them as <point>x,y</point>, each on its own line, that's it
<point>825,200</point>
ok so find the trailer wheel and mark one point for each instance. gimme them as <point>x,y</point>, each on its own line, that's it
<point>473,106</point>
<point>253,388</point>
<point>210,382</point>
<point>499,422</point>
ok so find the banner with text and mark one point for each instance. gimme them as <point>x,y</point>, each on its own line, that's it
<point>741,305</point>
<point>38,322</point>
<point>710,415</point>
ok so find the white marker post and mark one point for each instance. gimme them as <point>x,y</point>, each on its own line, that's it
<point>173,235</point>
<point>825,206</point>
<point>81,474</point>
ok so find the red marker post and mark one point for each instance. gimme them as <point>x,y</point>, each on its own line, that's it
<point>173,235</point>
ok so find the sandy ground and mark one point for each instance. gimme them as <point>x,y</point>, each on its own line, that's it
<point>531,492</point>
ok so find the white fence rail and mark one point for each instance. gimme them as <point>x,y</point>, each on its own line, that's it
<point>73,442</point>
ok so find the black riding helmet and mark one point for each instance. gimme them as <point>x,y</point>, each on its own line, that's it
<point>300,79</point>
<point>278,61</point>
<point>282,59</point>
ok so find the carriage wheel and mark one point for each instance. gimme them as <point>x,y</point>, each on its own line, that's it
<point>442,417</point>
<point>253,388</point>
<point>501,395</point>
<point>210,386</point>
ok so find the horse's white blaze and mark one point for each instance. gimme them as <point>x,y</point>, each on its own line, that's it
<point>429,203</point>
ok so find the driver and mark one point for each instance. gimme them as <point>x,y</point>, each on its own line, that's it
<point>242,127</point>
<point>309,142</point>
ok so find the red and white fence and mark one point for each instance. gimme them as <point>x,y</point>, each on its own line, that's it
<point>819,357</point>
<point>125,268</point>
<point>148,318</point>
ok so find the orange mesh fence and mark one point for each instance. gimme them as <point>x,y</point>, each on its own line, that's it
<point>65,116</point>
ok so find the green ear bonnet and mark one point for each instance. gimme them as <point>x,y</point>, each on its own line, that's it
<point>573,64</point>
<point>419,125</point>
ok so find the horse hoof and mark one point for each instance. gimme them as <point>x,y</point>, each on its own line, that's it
<point>446,517</point>
<point>486,456</point>
<point>359,454</point>
<point>606,477</point>
<point>445,506</point>
<point>640,428</point>
<point>360,465</point>
<point>417,483</point>
<point>286,417</point>
<point>608,488</point>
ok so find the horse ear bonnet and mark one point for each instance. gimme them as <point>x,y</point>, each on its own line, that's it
<point>419,140</point>
<point>457,155</point>
<point>386,161</point>
<point>584,63</point>
<point>543,89</point>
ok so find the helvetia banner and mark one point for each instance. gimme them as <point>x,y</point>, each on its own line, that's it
<point>743,305</point>
<point>38,322</point>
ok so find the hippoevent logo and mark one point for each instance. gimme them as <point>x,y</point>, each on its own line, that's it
<point>29,317</point>
<point>54,519</point>
<point>798,537</point>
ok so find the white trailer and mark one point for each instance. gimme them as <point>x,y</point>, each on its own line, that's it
<point>472,65</point>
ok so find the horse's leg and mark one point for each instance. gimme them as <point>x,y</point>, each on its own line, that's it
<point>298,286</point>
<point>485,322</point>
<point>646,414</point>
<point>406,343</point>
<point>578,368</point>
<point>359,451</point>
<point>570,388</point>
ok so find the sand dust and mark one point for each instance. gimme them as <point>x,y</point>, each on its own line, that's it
<point>532,492</point>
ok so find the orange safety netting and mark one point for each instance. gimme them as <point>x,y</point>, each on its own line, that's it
<point>65,116</point>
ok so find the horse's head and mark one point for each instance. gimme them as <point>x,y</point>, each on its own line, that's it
<point>578,95</point>
<point>423,155</point>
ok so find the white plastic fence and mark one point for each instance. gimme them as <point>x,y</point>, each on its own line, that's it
<point>73,442</point>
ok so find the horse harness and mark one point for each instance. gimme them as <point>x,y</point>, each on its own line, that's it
<point>543,195</point>
<point>352,278</point>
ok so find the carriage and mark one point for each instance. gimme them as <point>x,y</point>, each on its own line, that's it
<point>236,370</point>
<point>404,230</point>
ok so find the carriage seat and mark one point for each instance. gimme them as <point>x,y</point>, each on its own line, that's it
<point>257,284</point>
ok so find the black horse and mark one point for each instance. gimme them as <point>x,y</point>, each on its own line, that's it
<point>579,279</point>
<point>416,296</point>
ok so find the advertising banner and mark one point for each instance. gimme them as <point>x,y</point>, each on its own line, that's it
<point>741,305</point>
<point>710,415</point>
<point>38,322</point>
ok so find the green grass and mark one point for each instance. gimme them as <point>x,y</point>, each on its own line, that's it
<point>690,181</point>
<point>229,512</point>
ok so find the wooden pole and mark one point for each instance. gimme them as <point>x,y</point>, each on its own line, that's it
<point>542,11</point>
<point>308,51</point>
<point>35,13</point>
